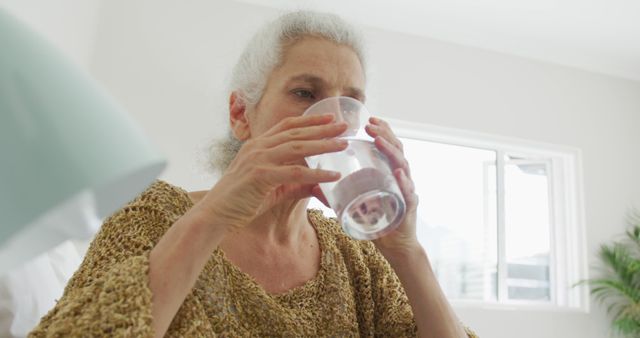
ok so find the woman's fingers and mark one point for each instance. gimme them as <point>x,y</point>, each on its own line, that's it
<point>388,143</point>
<point>395,155</point>
<point>380,127</point>
<point>317,193</point>
<point>408,189</point>
<point>315,132</point>
<point>295,173</point>
<point>299,121</point>
<point>296,150</point>
<point>300,191</point>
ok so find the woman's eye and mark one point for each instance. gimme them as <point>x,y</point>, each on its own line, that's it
<point>303,93</point>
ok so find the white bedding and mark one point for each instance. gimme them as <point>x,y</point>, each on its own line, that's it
<point>27,293</point>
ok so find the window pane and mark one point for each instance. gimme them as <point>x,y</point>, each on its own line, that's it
<point>527,229</point>
<point>457,215</point>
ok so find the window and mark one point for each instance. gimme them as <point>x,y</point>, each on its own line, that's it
<point>500,218</point>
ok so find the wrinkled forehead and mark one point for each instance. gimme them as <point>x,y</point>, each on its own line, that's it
<point>322,63</point>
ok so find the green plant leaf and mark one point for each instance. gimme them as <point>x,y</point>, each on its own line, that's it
<point>627,326</point>
<point>619,286</point>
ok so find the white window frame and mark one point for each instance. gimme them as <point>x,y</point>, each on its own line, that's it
<point>568,259</point>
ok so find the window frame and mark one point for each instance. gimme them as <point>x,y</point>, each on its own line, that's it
<point>568,259</point>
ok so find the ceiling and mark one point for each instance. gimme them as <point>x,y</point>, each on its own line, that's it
<point>601,36</point>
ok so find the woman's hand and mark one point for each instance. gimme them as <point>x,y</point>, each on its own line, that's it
<point>432,313</point>
<point>403,238</point>
<point>270,168</point>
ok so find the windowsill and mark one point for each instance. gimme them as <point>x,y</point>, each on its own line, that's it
<point>516,306</point>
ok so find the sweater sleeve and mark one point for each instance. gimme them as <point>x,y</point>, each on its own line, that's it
<point>393,316</point>
<point>109,294</point>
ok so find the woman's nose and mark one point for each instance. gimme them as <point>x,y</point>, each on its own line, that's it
<point>336,110</point>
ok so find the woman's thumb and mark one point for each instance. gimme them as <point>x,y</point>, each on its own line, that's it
<point>317,193</point>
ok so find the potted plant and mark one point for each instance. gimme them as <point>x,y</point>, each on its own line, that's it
<point>619,286</point>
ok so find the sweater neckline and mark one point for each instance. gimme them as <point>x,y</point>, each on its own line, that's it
<point>299,292</point>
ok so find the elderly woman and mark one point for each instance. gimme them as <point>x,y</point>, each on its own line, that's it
<point>246,258</point>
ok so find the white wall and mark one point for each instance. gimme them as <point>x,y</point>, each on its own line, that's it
<point>68,24</point>
<point>476,90</point>
<point>167,62</point>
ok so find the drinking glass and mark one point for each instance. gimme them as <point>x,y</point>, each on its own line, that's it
<point>366,199</point>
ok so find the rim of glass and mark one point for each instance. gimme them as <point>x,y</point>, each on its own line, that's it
<point>346,98</point>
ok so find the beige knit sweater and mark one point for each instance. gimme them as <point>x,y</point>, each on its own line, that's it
<point>355,293</point>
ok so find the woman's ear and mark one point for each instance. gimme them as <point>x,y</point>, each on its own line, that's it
<point>238,117</point>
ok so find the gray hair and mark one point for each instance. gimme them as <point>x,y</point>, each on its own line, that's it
<point>264,53</point>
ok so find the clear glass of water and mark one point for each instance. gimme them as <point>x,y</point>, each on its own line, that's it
<point>366,199</point>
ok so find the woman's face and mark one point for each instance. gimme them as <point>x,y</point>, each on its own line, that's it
<point>312,69</point>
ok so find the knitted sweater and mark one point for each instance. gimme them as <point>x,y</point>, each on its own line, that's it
<point>355,292</point>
